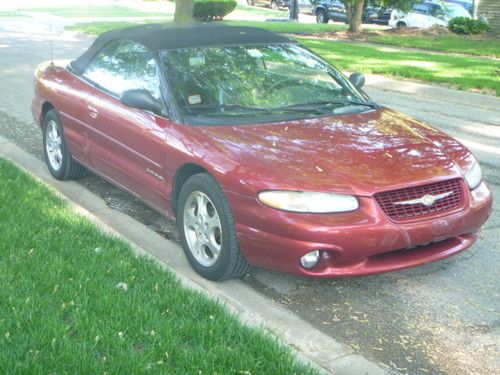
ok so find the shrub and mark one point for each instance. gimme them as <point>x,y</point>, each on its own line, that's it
<point>464,25</point>
<point>212,10</point>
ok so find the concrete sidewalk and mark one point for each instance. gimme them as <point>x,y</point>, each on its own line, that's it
<point>311,345</point>
<point>437,92</point>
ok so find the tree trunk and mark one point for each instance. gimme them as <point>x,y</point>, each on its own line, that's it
<point>356,21</point>
<point>348,10</point>
<point>294,10</point>
<point>183,11</point>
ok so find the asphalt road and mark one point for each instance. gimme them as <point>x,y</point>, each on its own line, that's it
<point>438,318</point>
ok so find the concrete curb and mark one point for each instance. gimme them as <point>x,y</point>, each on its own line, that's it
<point>311,345</point>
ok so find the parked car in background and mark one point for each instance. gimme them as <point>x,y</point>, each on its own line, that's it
<point>326,10</point>
<point>273,4</point>
<point>428,14</point>
<point>334,10</point>
<point>377,15</point>
<point>467,4</point>
<point>305,6</point>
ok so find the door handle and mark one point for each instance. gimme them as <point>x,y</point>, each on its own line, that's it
<point>93,112</point>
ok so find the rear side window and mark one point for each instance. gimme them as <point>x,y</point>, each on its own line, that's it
<point>435,10</point>
<point>122,66</point>
<point>421,8</point>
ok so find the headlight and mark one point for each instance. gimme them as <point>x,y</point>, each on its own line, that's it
<point>474,176</point>
<point>298,201</point>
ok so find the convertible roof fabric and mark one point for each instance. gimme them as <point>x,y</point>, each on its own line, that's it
<point>160,37</point>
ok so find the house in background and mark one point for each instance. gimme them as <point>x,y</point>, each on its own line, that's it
<point>489,10</point>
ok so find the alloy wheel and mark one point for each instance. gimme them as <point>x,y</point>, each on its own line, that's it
<point>53,145</point>
<point>202,228</point>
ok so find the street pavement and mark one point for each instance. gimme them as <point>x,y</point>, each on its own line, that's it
<point>438,318</point>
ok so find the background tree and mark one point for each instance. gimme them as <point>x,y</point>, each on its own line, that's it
<point>183,11</point>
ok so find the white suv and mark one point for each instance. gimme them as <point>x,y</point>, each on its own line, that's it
<point>428,14</point>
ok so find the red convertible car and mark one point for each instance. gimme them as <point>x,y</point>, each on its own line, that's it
<point>264,153</point>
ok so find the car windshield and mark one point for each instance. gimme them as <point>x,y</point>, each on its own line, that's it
<point>250,84</point>
<point>455,10</point>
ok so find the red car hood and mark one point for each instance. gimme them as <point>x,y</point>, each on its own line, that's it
<point>359,154</point>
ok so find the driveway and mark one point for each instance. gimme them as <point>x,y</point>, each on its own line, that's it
<point>438,318</point>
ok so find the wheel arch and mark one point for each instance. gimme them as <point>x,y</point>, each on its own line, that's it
<point>183,173</point>
<point>319,8</point>
<point>46,107</point>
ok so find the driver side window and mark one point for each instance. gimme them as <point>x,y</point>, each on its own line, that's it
<point>122,66</point>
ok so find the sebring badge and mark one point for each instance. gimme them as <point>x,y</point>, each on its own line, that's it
<point>427,200</point>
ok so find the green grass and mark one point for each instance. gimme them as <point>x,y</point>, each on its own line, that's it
<point>93,11</point>
<point>11,13</point>
<point>292,28</point>
<point>260,11</point>
<point>444,43</point>
<point>463,72</point>
<point>61,312</point>
<point>98,27</point>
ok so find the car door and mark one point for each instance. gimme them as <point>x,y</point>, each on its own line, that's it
<point>418,17</point>
<point>437,15</point>
<point>336,11</point>
<point>127,145</point>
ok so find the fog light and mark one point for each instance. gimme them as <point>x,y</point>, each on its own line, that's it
<point>310,259</point>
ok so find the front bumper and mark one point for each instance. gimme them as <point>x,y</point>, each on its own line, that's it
<point>355,243</point>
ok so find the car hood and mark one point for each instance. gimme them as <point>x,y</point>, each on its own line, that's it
<point>357,154</point>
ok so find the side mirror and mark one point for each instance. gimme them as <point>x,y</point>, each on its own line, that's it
<point>141,99</point>
<point>357,79</point>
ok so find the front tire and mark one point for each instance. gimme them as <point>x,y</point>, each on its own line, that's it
<point>59,160</point>
<point>321,16</point>
<point>207,229</point>
<point>401,25</point>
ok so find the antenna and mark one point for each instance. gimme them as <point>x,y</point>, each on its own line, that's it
<point>51,41</point>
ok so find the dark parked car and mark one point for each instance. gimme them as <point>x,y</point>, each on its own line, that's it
<point>377,15</point>
<point>264,153</point>
<point>273,4</point>
<point>326,10</point>
<point>334,10</point>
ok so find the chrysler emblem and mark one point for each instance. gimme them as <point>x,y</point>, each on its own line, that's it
<point>427,200</point>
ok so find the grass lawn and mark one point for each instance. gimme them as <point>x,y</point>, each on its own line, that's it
<point>61,311</point>
<point>445,43</point>
<point>96,28</point>
<point>292,28</point>
<point>464,72</point>
<point>11,13</point>
<point>93,11</point>
<point>260,11</point>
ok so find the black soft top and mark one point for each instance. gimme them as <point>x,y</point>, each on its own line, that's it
<point>161,37</point>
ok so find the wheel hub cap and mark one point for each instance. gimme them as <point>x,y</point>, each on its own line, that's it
<point>53,145</point>
<point>202,228</point>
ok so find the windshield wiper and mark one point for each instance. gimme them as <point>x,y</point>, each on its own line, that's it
<point>223,107</point>
<point>368,103</point>
<point>313,105</point>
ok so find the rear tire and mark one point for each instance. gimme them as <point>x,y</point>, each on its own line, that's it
<point>208,231</point>
<point>321,16</point>
<point>59,160</point>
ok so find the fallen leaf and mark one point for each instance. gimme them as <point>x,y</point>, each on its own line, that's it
<point>122,286</point>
